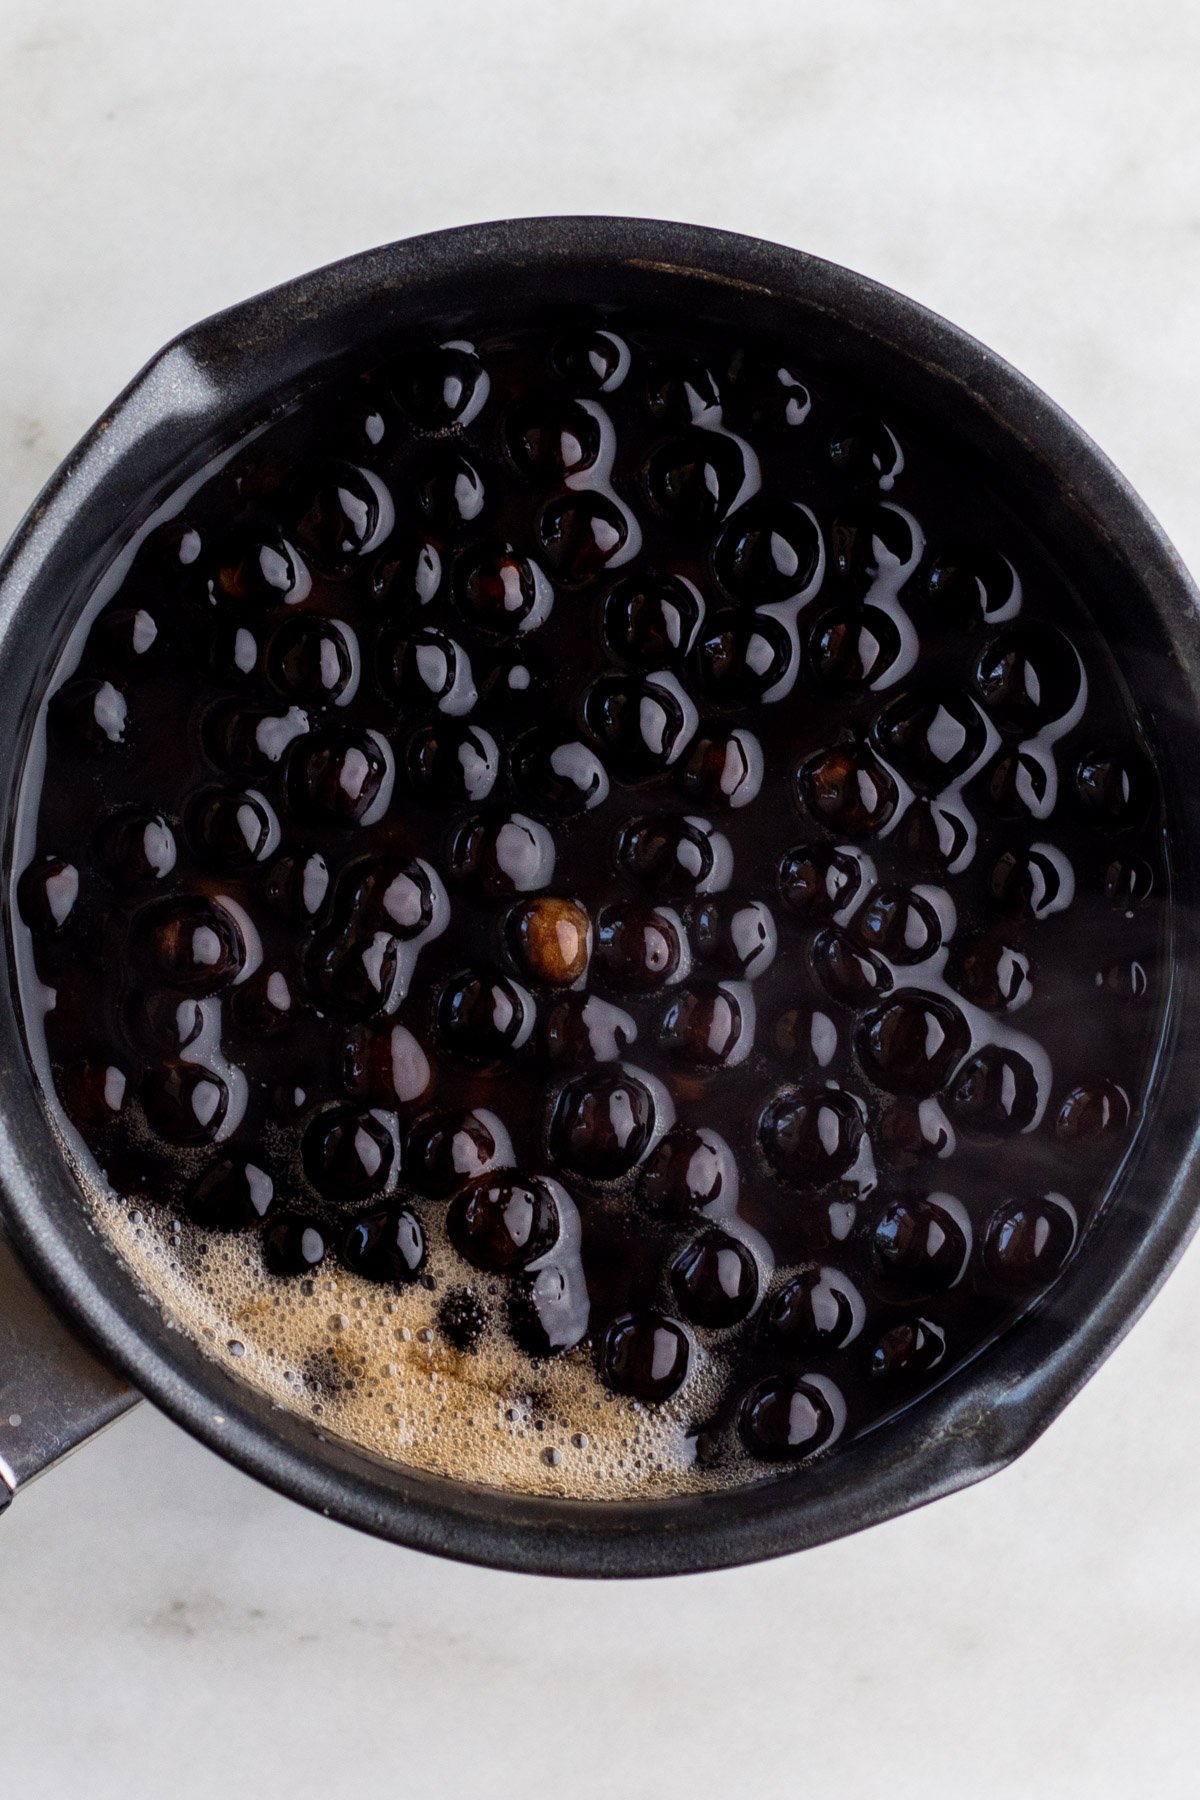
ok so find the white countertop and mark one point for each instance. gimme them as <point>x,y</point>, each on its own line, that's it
<point>1031,171</point>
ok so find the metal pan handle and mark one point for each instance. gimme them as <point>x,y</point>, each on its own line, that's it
<point>54,1393</point>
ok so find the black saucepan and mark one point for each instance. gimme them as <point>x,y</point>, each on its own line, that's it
<point>198,395</point>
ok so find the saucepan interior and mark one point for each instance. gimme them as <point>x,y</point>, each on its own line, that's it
<point>199,395</point>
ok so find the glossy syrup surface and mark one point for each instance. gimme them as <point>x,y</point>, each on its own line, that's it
<point>597,906</point>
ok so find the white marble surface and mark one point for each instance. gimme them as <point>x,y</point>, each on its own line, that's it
<point>1030,170</point>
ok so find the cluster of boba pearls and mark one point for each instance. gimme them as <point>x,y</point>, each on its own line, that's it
<point>614,808</point>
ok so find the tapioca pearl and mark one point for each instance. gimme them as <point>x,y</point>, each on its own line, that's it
<point>184,1103</point>
<point>425,667</point>
<point>311,659</point>
<point>438,388</point>
<point>969,585</point>
<point>551,940</point>
<point>818,880</point>
<point>995,1093</point>
<point>338,776</point>
<point>384,894</point>
<point>380,1064</point>
<point>913,1347</point>
<point>705,1027</point>
<point>922,1244</point>
<point>552,437</point>
<point>696,478</point>
<point>602,1124</point>
<point>338,512</point>
<point>811,1135</point>
<point>593,361</point>
<point>352,974</point>
<point>1033,883</point>
<point>556,774</point>
<point>88,714</point>
<point>137,848</point>
<point>265,1004</point>
<point>249,739</point>
<point>232,827</point>
<point>1126,979</point>
<point>650,620</point>
<point>911,1131</point>
<point>443,1150</point>
<point>769,551</point>
<point>739,936</point>
<point>848,790</point>
<point>47,892</point>
<point>776,394</point>
<point>123,636</point>
<point>452,762</point>
<point>548,1312</point>
<point>483,1016</point>
<point>850,648</point>
<point>638,948</point>
<point>899,925</point>
<point>387,1244</point>
<point>501,1222</point>
<point>93,1089</point>
<point>845,970</point>
<point>233,653</point>
<point>672,856</point>
<point>1028,676</point>
<point>449,491</point>
<point>912,1042</point>
<point>233,1195</point>
<point>690,1170</point>
<point>816,1309</point>
<point>715,1279</point>
<point>741,656</point>
<point>1093,1116</point>
<point>294,1246</point>
<point>579,1029</point>
<point>1027,1242</point>
<point>258,571</point>
<point>1128,882</point>
<point>297,884</point>
<point>784,1418</point>
<point>499,591</point>
<point>873,541</point>
<point>188,943</point>
<point>723,768</point>
<point>639,727</point>
<point>408,575</point>
<point>502,855</point>
<point>167,1023</point>
<point>805,1035</point>
<point>349,1154</point>
<point>865,449</point>
<point>933,737</point>
<point>1017,786</point>
<point>989,972</point>
<point>679,388</point>
<point>581,534</point>
<point>1115,787</point>
<point>937,836</point>
<point>644,1356</point>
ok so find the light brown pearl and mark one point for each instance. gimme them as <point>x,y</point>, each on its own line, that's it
<point>552,939</point>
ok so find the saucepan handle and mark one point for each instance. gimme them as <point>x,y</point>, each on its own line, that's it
<point>54,1393</point>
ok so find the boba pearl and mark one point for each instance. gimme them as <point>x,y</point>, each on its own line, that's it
<point>438,388</point>
<point>995,1092</point>
<point>232,1195</point>
<point>816,1309</point>
<point>1028,1241</point>
<point>1092,1115</point>
<point>910,1348</point>
<point>899,925</point>
<point>582,534</point>
<point>818,880</point>
<point>640,727</point>
<point>651,621</point>
<point>741,656</point>
<point>445,1150</point>
<point>501,592</point>
<point>846,972</point>
<point>645,1356</point>
<point>738,937</point>
<point>705,1027</point>
<point>484,1017</point>
<point>1028,677</point>
<point>932,737</point>
<point>724,768</point>
<point>558,775</point>
<point>337,776</point>
<point>294,1246</point>
<point>638,948</point>
<point>449,491</point>
<point>865,450</point>
<point>767,552</point>
<point>912,1042</point>
<point>386,1245</point>
<point>338,513</point>
<point>601,1125</point>
<point>1115,788</point>
<point>502,1222</point>
<point>551,939</point>
<point>47,892</point>
<point>349,1155</point>
<point>311,660</point>
<point>89,715</point>
<point>921,1244</point>
<point>550,438</point>
<point>969,584</point>
<point>450,763</point>
<point>501,854</point>
<point>689,1170</point>
<point>847,790</point>
<point>696,478</point>
<point>715,1279</point>
<point>424,667</point>
<point>811,1135</point>
<point>184,1102</point>
<point>233,827</point>
<point>851,648</point>
<point>672,857</point>
<point>786,1419</point>
<point>189,943</point>
<point>257,572</point>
